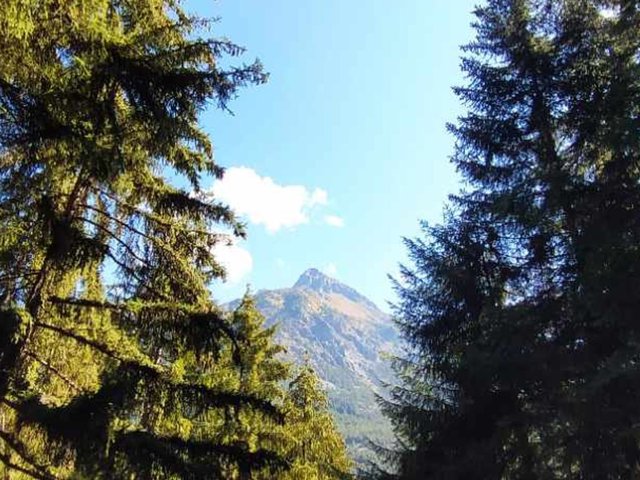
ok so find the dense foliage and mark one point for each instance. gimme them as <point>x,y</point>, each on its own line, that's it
<point>114,362</point>
<point>311,439</point>
<point>307,438</point>
<point>522,306</point>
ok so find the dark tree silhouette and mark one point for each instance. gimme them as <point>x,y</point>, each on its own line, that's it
<point>522,307</point>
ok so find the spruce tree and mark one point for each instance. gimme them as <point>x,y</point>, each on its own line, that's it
<point>311,441</point>
<point>307,438</point>
<point>522,306</point>
<point>252,365</point>
<point>108,335</point>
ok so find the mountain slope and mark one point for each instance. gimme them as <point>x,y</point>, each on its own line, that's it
<point>344,336</point>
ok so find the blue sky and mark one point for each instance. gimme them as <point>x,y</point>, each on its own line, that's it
<point>345,148</point>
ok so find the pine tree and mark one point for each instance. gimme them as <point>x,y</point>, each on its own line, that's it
<point>312,442</point>
<point>108,336</point>
<point>262,373</point>
<point>307,438</point>
<point>522,307</point>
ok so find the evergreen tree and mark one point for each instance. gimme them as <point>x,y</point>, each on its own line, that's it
<point>307,439</point>
<point>311,440</point>
<point>522,307</point>
<point>262,373</point>
<point>108,336</point>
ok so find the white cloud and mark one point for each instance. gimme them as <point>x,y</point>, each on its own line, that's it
<point>319,197</point>
<point>610,13</point>
<point>330,269</point>
<point>334,220</point>
<point>264,202</point>
<point>237,261</point>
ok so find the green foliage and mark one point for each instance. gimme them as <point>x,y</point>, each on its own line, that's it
<point>522,307</point>
<point>306,438</point>
<point>311,439</point>
<point>112,355</point>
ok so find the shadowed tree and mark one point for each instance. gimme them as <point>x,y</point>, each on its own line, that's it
<point>521,308</point>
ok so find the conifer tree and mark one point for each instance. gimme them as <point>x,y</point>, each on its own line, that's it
<point>307,438</point>
<point>312,442</point>
<point>108,336</point>
<point>252,365</point>
<point>522,307</point>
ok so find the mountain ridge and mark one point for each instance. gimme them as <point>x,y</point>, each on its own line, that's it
<point>346,338</point>
<point>316,280</point>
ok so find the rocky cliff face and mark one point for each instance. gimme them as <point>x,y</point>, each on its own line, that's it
<point>347,339</point>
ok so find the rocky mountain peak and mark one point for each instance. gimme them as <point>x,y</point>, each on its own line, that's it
<point>313,279</point>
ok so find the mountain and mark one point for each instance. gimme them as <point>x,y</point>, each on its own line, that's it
<point>347,340</point>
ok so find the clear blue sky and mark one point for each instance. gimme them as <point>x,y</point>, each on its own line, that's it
<point>356,105</point>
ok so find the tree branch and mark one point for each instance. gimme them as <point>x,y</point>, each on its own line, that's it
<point>33,474</point>
<point>17,447</point>
<point>54,370</point>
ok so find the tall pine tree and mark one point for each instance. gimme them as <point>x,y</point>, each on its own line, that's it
<point>522,307</point>
<point>104,262</point>
<point>262,373</point>
<point>307,439</point>
<point>310,439</point>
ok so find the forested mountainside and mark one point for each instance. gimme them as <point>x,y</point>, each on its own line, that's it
<point>347,340</point>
